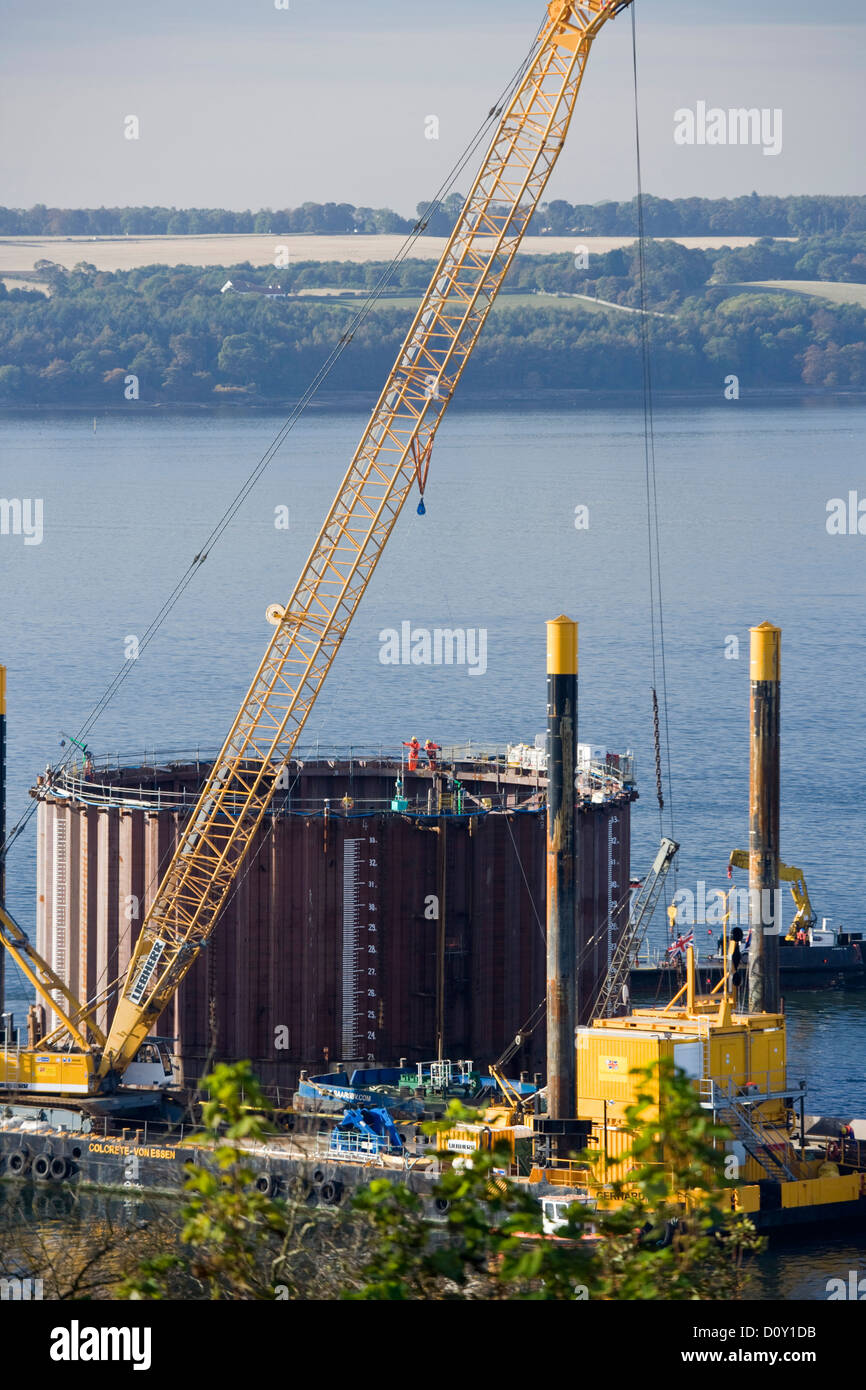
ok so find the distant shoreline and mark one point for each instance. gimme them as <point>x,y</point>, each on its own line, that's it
<point>351,402</point>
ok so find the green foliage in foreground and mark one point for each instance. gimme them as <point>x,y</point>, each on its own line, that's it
<point>238,1244</point>
<point>224,1216</point>
<point>483,1252</point>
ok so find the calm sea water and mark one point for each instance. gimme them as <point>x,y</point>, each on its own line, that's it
<point>743,492</point>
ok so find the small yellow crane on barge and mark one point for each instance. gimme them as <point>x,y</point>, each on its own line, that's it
<point>804,918</point>
<point>735,1057</point>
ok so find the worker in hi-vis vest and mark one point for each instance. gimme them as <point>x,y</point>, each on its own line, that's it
<point>431,749</point>
<point>414,749</point>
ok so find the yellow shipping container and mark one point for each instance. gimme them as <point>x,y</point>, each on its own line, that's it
<point>746,1199</point>
<point>606,1057</point>
<point>728,1057</point>
<point>468,1139</point>
<point>767,1061</point>
<point>815,1192</point>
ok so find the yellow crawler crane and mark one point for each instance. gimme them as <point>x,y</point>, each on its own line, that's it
<point>309,629</point>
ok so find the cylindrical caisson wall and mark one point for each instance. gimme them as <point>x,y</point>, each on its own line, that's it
<point>331,947</point>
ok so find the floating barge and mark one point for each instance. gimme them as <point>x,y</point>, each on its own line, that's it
<point>57,1151</point>
<point>837,966</point>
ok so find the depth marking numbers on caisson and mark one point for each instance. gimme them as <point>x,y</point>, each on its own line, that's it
<point>361,949</point>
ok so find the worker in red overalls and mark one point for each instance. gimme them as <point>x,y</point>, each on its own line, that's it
<point>414,749</point>
<point>431,749</point>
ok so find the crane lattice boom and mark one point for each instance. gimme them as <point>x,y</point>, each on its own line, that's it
<point>631,938</point>
<point>309,629</point>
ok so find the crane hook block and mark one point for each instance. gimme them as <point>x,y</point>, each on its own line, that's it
<point>422,510</point>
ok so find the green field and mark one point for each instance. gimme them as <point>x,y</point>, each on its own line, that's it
<point>837,291</point>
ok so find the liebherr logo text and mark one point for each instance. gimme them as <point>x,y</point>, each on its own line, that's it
<point>77,1343</point>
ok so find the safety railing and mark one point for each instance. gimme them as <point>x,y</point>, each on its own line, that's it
<point>764,1142</point>
<point>157,799</point>
<point>348,1144</point>
<point>760,1087</point>
<point>138,781</point>
<point>655,957</point>
<point>438,1075</point>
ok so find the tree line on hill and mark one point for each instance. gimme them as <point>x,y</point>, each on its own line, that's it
<point>672,271</point>
<point>751,215</point>
<point>163,334</point>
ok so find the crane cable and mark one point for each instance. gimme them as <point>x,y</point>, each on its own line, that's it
<point>657,626</point>
<point>230,512</point>
<point>309,392</point>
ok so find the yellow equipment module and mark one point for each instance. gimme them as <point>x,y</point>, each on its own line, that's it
<point>606,1059</point>
<point>470,1138</point>
<point>737,1063</point>
<point>741,1054</point>
<point>47,1073</point>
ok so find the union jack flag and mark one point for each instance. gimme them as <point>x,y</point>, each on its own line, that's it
<point>681,943</point>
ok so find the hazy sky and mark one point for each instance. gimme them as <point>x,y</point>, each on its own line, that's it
<point>244,105</point>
